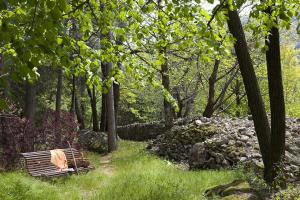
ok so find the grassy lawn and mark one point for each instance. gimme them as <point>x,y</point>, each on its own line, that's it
<point>136,175</point>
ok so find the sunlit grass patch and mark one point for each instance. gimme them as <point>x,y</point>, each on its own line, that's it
<point>137,175</point>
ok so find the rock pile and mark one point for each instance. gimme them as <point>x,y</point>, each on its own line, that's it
<point>175,143</point>
<point>222,142</point>
<point>93,141</point>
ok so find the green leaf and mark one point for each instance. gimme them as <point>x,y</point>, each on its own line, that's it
<point>59,40</point>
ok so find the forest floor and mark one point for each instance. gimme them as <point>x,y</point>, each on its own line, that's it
<point>127,174</point>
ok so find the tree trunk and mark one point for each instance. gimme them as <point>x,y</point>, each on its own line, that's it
<point>116,99</point>
<point>276,95</point>
<point>72,108</point>
<point>255,100</point>
<point>30,101</point>
<point>103,120</point>
<point>111,126</point>
<point>237,91</point>
<point>189,106</point>
<point>119,41</point>
<point>59,92</point>
<point>166,84</point>
<point>78,112</point>
<point>81,94</point>
<point>93,101</point>
<point>177,97</point>
<point>209,109</point>
<point>109,104</point>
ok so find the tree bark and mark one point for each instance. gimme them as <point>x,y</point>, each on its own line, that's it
<point>111,126</point>
<point>209,109</point>
<point>166,84</point>
<point>81,94</point>
<point>59,92</point>
<point>93,101</point>
<point>276,95</point>
<point>237,91</point>
<point>116,99</point>
<point>109,104</point>
<point>72,108</point>
<point>30,101</point>
<point>255,100</point>
<point>79,112</point>
<point>103,120</point>
<point>119,41</point>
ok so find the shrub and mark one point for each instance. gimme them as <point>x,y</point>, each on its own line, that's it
<point>16,136</point>
<point>56,131</point>
<point>19,135</point>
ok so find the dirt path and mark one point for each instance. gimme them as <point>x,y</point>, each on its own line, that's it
<point>105,165</point>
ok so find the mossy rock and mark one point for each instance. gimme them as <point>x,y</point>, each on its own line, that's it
<point>244,196</point>
<point>236,190</point>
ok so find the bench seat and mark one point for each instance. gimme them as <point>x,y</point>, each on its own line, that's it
<point>38,164</point>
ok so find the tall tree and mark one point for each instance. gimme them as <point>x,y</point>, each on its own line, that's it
<point>276,95</point>
<point>109,101</point>
<point>165,76</point>
<point>110,113</point>
<point>166,84</point>
<point>255,100</point>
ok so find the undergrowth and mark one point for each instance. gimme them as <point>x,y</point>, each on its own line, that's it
<point>137,175</point>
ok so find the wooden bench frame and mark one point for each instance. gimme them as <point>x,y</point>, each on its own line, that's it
<point>38,164</point>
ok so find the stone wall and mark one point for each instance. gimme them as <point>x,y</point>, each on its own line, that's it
<point>141,131</point>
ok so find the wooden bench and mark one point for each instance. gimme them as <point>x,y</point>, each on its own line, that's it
<point>38,164</point>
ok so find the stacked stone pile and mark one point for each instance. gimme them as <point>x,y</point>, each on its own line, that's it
<point>223,142</point>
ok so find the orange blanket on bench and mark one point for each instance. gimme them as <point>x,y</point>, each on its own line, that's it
<point>58,158</point>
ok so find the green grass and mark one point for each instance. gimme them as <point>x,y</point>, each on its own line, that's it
<point>137,175</point>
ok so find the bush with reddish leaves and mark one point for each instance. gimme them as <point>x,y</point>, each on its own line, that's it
<point>19,135</point>
<point>16,136</point>
<point>57,130</point>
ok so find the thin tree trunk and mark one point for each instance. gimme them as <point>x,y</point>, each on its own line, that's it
<point>78,112</point>
<point>209,109</point>
<point>81,94</point>
<point>103,120</point>
<point>59,92</point>
<point>29,113</point>
<point>189,106</point>
<point>255,100</point>
<point>72,108</point>
<point>30,101</point>
<point>276,95</point>
<point>116,99</point>
<point>119,41</point>
<point>93,101</point>
<point>179,102</point>
<point>166,84</point>
<point>59,88</point>
<point>237,91</point>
